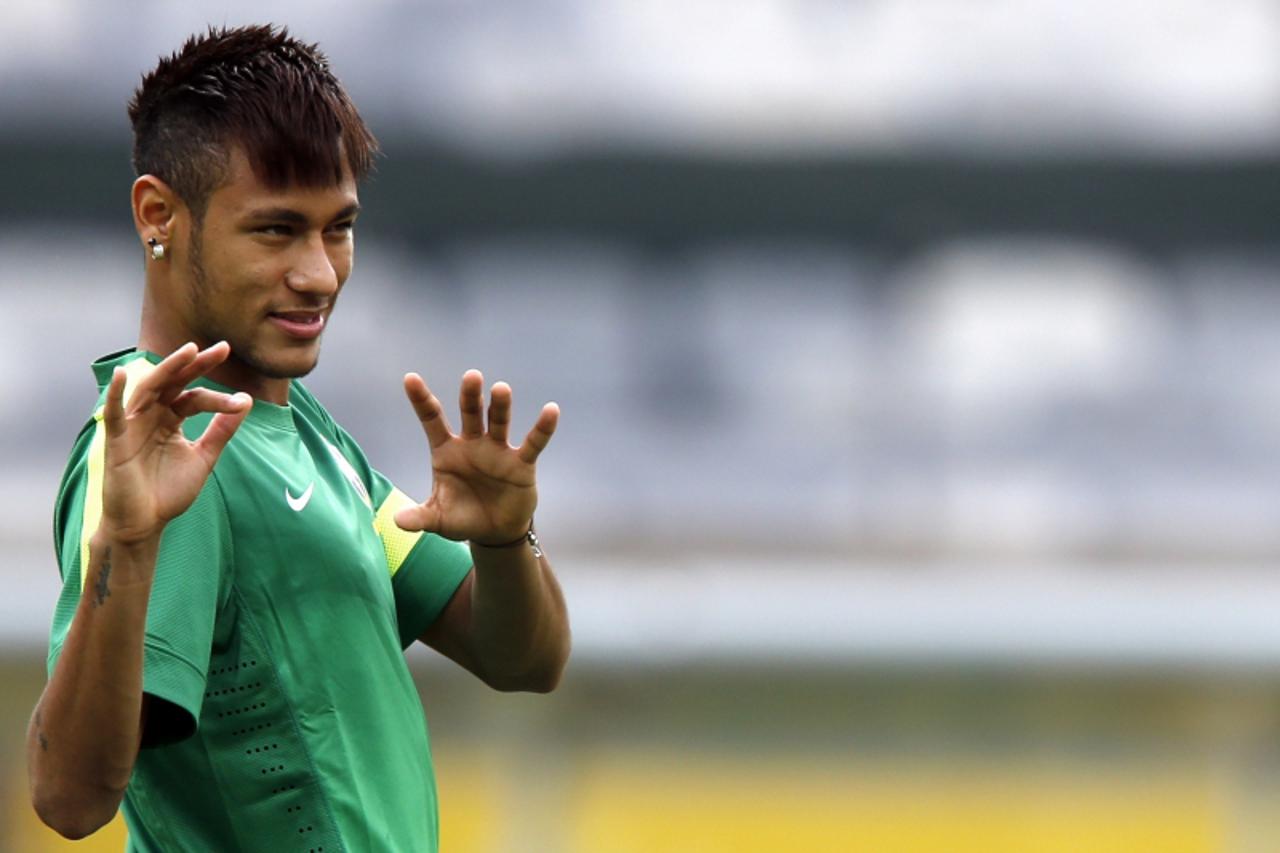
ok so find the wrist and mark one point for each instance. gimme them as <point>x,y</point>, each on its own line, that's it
<point>529,537</point>
<point>139,545</point>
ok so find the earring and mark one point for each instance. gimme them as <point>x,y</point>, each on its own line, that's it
<point>157,249</point>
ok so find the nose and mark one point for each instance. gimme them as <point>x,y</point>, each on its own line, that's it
<point>313,271</point>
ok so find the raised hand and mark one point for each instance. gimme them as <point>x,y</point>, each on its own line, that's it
<point>152,472</point>
<point>482,489</point>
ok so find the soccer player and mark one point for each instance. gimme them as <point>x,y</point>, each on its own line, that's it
<point>239,583</point>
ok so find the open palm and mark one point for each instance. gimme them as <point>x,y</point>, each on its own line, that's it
<point>482,489</point>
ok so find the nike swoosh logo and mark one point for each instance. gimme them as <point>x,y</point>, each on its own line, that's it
<point>297,504</point>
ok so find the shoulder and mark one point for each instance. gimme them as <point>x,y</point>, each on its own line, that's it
<point>74,477</point>
<point>308,407</point>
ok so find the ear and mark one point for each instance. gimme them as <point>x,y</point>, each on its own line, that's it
<point>156,208</point>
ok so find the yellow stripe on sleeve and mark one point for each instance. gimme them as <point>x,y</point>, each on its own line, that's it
<point>134,371</point>
<point>396,543</point>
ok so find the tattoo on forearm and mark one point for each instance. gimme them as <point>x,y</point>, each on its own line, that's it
<point>101,586</point>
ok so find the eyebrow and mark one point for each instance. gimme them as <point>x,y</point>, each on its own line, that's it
<point>286,214</point>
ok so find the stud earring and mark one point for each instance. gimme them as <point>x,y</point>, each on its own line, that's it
<point>157,249</point>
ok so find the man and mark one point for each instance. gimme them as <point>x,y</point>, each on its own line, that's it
<point>239,583</point>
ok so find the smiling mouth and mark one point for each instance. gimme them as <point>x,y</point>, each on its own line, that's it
<point>303,325</point>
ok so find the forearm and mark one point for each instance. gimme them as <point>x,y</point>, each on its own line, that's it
<point>520,626</point>
<point>84,736</point>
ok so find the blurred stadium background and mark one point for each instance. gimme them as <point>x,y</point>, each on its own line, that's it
<point>918,487</point>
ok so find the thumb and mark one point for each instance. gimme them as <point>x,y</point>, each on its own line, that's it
<point>223,426</point>
<point>424,516</point>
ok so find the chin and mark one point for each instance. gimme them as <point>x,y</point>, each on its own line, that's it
<point>292,365</point>
<point>298,368</point>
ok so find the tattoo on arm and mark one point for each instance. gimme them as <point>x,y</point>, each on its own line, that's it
<point>44,741</point>
<point>101,586</point>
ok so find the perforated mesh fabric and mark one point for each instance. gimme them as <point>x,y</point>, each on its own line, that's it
<point>257,765</point>
<point>396,542</point>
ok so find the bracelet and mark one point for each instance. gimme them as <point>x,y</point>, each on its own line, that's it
<point>530,536</point>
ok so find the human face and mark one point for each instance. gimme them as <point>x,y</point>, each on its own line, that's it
<point>266,266</point>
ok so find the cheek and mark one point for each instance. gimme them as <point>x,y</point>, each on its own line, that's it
<point>234,264</point>
<point>253,269</point>
<point>342,260</point>
<point>237,289</point>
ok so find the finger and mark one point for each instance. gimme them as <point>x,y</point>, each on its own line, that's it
<point>153,385</point>
<point>538,438</point>
<point>196,400</point>
<point>421,517</point>
<point>471,402</point>
<point>428,409</point>
<point>205,361</point>
<point>499,411</point>
<point>113,406</point>
<point>221,429</point>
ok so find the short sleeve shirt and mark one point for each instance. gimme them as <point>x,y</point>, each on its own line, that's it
<point>281,605</point>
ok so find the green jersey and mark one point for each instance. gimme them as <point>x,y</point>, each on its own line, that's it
<point>283,714</point>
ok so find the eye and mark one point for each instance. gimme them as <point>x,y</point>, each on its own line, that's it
<point>275,230</point>
<point>344,227</point>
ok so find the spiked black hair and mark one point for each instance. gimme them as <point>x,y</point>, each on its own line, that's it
<point>255,87</point>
